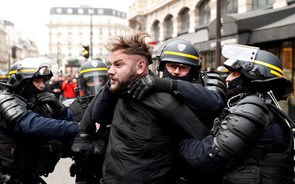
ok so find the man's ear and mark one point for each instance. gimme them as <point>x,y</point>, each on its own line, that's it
<point>141,67</point>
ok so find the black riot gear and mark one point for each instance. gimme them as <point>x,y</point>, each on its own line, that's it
<point>93,75</point>
<point>31,140</point>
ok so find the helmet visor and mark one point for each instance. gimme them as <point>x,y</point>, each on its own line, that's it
<point>236,53</point>
<point>90,83</point>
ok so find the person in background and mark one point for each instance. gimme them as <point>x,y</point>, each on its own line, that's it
<point>68,88</point>
<point>55,86</point>
<point>31,141</point>
<point>4,76</point>
<point>252,140</point>
<point>223,71</point>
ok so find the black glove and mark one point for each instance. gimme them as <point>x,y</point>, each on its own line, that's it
<point>49,99</point>
<point>147,84</point>
<point>86,148</point>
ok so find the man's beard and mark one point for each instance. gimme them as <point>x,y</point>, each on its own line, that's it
<point>119,87</point>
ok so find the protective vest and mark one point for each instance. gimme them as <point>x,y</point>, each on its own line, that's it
<point>266,163</point>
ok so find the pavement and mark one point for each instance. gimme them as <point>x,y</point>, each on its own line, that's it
<point>61,174</point>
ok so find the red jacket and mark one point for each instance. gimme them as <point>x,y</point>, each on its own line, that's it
<point>69,89</point>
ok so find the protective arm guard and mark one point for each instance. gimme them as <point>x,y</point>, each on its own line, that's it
<point>240,127</point>
<point>215,82</point>
<point>11,108</point>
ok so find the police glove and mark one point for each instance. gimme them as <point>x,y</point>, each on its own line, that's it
<point>147,84</point>
<point>50,99</point>
<point>85,147</point>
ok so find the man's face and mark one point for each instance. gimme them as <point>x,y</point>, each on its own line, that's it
<point>39,83</point>
<point>124,68</point>
<point>178,69</point>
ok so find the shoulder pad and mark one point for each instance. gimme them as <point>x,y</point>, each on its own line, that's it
<point>11,108</point>
<point>215,82</point>
<point>252,108</point>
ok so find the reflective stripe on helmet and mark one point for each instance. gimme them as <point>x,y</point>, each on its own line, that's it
<point>276,70</point>
<point>23,71</point>
<point>93,69</point>
<point>181,54</point>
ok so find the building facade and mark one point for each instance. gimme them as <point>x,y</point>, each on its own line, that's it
<point>14,45</point>
<point>268,24</point>
<point>71,28</point>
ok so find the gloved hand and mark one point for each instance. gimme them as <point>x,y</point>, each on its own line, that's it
<point>49,99</point>
<point>84,147</point>
<point>147,84</point>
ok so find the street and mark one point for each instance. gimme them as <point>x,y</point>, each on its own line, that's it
<point>61,174</point>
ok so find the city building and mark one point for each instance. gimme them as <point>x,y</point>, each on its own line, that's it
<point>14,45</point>
<point>71,29</point>
<point>268,24</point>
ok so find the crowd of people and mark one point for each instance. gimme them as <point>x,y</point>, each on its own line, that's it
<point>123,124</point>
<point>63,87</point>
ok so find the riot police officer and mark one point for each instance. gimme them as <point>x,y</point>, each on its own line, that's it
<point>31,141</point>
<point>180,61</point>
<point>251,141</point>
<point>92,76</point>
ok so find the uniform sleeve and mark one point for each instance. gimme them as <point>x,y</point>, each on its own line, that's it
<point>196,154</point>
<point>207,101</point>
<point>34,125</point>
<point>174,113</point>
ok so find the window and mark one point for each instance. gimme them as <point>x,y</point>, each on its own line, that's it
<point>69,11</point>
<point>229,6</point>
<point>184,20</point>
<point>156,30</point>
<point>204,13</point>
<point>168,22</point>
<point>256,4</point>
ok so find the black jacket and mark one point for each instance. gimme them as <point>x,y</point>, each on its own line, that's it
<point>143,140</point>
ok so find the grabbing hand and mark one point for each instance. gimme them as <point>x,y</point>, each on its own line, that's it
<point>50,99</point>
<point>147,84</point>
<point>141,86</point>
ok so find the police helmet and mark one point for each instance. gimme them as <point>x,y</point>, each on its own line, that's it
<point>252,62</point>
<point>179,51</point>
<point>4,76</point>
<point>262,68</point>
<point>92,76</point>
<point>223,71</point>
<point>31,68</point>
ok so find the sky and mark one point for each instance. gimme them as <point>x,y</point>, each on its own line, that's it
<point>31,16</point>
